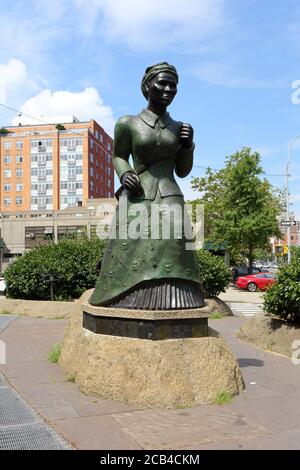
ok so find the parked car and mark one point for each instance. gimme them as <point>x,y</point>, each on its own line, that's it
<point>253,282</point>
<point>237,271</point>
<point>2,286</point>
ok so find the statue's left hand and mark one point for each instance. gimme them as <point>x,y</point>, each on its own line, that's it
<point>186,135</point>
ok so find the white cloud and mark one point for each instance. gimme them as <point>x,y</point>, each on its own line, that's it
<point>13,75</point>
<point>225,74</point>
<point>85,105</point>
<point>147,24</point>
<point>267,151</point>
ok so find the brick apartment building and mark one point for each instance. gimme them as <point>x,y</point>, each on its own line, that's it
<point>54,166</point>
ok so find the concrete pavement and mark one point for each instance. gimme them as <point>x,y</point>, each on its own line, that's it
<point>265,416</point>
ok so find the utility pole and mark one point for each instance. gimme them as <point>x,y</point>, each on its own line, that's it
<point>288,195</point>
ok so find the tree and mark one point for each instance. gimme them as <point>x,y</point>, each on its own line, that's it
<point>241,208</point>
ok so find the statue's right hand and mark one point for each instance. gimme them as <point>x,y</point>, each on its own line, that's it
<point>131,182</point>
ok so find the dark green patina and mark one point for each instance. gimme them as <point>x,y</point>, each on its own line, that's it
<point>158,146</point>
<point>129,262</point>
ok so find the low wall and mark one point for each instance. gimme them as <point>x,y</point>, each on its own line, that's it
<point>36,308</point>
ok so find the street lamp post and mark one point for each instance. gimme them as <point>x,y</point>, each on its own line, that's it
<point>288,194</point>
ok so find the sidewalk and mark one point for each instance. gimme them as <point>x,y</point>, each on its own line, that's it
<point>234,294</point>
<point>265,416</point>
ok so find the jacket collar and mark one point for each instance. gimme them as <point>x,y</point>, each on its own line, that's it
<point>151,118</point>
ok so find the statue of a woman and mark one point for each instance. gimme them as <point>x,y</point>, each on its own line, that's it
<point>151,271</point>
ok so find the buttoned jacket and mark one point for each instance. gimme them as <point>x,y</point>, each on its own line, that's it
<point>154,143</point>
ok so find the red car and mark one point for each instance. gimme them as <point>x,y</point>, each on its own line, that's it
<point>253,282</point>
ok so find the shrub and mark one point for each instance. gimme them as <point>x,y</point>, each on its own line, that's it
<point>214,274</point>
<point>71,262</point>
<point>283,298</point>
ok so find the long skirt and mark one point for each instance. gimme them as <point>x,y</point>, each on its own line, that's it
<point>150,261</point>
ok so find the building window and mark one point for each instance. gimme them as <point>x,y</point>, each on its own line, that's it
<point>48,186</point>
<point>34,187</point>
<point>19,201</point>
<point>91,144</point>
<point>19,172</point>
<point>91,171</point>
<point>49,172</point>
<point>7,159</point>
<point>78,185</point>
<point>49,200</point>
<point>78,156</point>
<point>79,170</point>
<point>34,171</point>
<point>101,138</point>
<point>19,187</point>
<point>91,158</point>
<point>72,186</point>
<point>42,187</point>
<point>71,172</point>
<point>19,158</point>
<point>34,200</point>
<point>7,201</point>
<point>7,173</point>
<point>7,187</point>
<point>7,145</point>
<point>19,145</point>
<point>63,185</point>
<point>48,157</point>
<point>109,146</point>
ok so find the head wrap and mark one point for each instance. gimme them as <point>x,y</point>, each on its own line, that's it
<point>154,70</point>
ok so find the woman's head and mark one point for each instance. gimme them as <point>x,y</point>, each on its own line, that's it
<point>160,83</point>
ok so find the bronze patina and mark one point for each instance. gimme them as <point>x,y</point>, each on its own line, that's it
<point>147,272</point>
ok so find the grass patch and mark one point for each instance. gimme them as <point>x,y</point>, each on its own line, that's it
<point>54,353</point>
<point>223,398</point>
<point>71,378</point>
<point>216,316</point>
<point>6,312</point>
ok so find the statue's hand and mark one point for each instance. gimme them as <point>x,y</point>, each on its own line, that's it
<point>131,182</point>
<point>186,135</point>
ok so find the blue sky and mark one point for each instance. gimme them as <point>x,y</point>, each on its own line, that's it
<point>237,60</point>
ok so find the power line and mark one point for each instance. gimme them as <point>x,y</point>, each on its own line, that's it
<point>34,117</point>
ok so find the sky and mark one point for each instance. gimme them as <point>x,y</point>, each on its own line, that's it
<point>238,62</point>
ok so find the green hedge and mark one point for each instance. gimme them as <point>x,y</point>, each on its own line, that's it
<point>72,262</point>
<point>283,298</point>
<point>215,275</point>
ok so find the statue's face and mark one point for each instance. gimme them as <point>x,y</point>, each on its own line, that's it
<point>162,88</point>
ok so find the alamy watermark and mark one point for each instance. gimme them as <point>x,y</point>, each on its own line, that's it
<point>2,353</point>
<point>296,352</point>
<point>296,93</point>
<point>146,220</point>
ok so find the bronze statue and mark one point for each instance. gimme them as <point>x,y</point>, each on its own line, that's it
<point>148,272</point>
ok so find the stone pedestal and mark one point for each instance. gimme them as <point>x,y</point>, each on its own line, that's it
<point>148,358</point>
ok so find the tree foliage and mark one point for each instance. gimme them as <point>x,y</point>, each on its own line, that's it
<point>71,262</point>
<point>214,274</point>
<point>241,207</point>
<point>283,298</point>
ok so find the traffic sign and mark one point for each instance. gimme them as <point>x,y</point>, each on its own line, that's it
<point>288,223</point>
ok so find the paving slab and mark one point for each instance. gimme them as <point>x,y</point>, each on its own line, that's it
<point>266,415</point>
<point>185,429</point>
<point>95,433</point>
